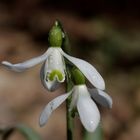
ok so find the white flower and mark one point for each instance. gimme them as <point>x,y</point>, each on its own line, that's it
<point>81,99</point>
<point>53,70</point>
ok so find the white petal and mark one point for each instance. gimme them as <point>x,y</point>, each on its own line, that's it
<point>50,85</point>
<point>87,69</point>
<point>101,97</point>
<point>25,65</point>
<point>51,106</point>
<point>54,62</point>
<point>89,113</point>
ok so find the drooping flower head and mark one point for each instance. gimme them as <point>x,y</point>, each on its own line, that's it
<point>83,99</point>
<point>53,71</point>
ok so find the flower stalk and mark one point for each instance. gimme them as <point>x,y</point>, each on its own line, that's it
<point>69,86</point>
<point>69,118</point>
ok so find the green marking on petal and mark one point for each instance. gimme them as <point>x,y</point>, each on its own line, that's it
<point>56,73</point>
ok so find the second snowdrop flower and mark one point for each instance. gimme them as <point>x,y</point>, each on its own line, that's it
<point>82,99</point>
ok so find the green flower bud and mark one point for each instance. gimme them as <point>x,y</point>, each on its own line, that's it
<point>55,36</point>
<point>77,76</point>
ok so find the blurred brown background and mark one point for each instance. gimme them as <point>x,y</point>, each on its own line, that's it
<point>105,33</point>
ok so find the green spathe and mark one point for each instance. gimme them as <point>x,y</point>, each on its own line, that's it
<point>55,36</point>
<point>56,73</point>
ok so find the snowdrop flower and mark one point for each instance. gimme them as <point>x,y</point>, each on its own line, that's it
<point>82,100</point>
<point>53,71</point>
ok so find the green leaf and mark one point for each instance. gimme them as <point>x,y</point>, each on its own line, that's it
<point>97,135</point>
<point>28,133</point>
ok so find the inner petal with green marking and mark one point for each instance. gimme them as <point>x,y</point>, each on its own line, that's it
<point>56,74</point>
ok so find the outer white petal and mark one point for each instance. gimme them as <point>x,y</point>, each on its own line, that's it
<point>89,113</point>
<point>51,106</point>
<point>101,97</point>
<point>25,65</point>
<point>54,62</point>
<point>87,69</point>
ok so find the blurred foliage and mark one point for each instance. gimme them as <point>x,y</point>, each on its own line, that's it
<point>26,131</point>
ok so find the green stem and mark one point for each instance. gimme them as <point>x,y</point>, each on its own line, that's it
<point>70,124</point>
<point>69,115</point>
